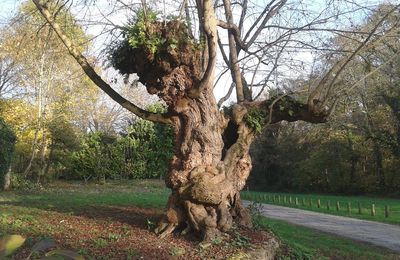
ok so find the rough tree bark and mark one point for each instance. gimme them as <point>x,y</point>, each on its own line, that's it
<point>211,159</point>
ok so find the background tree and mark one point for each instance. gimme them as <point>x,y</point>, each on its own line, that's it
<point>41,90</point>
<point>355,151</point>
<point>7,143</point>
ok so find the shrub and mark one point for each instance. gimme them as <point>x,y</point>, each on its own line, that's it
<point>144,151</point>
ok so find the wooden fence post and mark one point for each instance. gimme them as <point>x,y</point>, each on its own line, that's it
<point>290,199</point>
<point>373,212</point>
<point>318,203</point>
<point>279,199</point>
<point>387,211</point>
<point>349,207</point>
<point>328,205</point>
<point>284,199</point>
<point>359,208</point>
<point>337,206</point>
<point>303,201</point>
<point>296,201</point>
<point>310,202</point>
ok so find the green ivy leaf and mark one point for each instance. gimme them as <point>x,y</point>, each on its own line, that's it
<point>255,119</point>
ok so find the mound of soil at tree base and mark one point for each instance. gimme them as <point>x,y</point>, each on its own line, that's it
<point>104,232</point>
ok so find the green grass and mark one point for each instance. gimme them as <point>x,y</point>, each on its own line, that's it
<point>145,194</point>
<point>306,243</point>
<point>26,213</point>
<point>366,202</point>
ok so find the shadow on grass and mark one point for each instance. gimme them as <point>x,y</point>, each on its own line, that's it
<point>130,223</point>
<point>130,215</point>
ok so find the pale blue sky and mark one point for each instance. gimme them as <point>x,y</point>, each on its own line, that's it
<point>7,9</point>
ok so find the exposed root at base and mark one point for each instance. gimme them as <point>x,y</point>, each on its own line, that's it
<point>165,229</point>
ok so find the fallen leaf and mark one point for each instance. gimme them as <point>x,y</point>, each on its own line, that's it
<point>9,244</point>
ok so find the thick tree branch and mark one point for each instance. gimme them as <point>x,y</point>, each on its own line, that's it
<point>210,30</point>
<point>233,55</point>
<point>285,107</point>
<point>91,73</point>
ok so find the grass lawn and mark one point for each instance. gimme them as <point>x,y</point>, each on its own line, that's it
<point>310,244</point>
<point>61,195</point>
<point>289,200</point>
<point>113,221</point>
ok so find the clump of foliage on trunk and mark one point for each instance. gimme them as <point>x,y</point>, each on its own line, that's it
<point>158,52</point>
<point>255,119</point>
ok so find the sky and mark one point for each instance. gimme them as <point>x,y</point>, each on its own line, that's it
<point>7,9</point>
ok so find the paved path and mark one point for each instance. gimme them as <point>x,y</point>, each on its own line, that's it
<point>380,234</point>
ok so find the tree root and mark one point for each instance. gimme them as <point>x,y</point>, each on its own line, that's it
<point>165,229</point>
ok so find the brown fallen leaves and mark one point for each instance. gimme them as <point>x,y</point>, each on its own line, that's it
<point>106,232</point>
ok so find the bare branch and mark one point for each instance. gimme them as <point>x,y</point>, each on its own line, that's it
<point>221,48</point>
<point>243,15</point>
<point>228,94</point>
<point>235,31</point>
<point>272,70</point>
<point>210,30</point>
<point>271,12</point>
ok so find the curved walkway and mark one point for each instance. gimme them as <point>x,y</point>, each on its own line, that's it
<point>379,234</point>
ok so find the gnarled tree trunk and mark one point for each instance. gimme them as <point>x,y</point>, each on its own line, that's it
<point>206,173</point>
<point>211,160</point>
